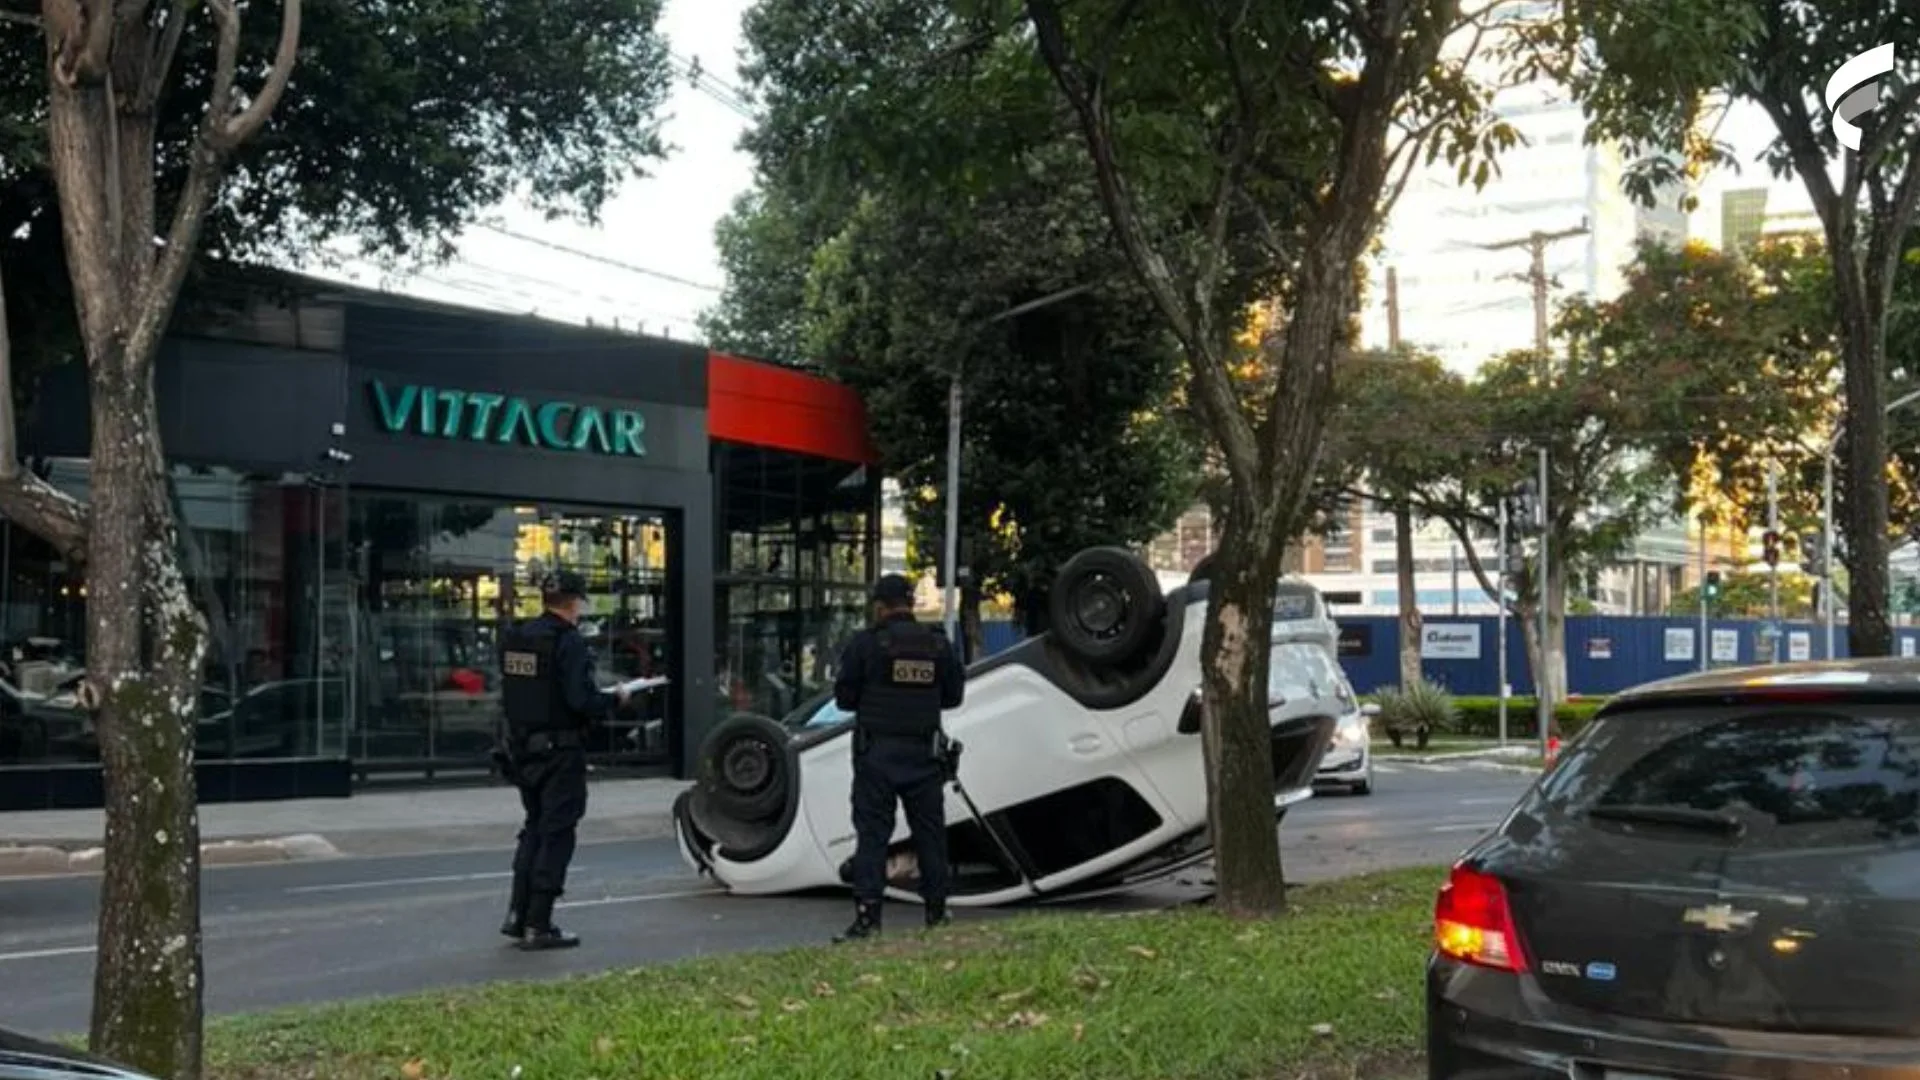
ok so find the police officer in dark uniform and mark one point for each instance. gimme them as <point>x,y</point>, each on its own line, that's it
<point>551,701</point>
<point>896,678</point>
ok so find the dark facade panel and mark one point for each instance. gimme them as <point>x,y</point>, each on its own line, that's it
<point>225,402</point>
<point>483,349</point>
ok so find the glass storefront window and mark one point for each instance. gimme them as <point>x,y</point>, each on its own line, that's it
<point>796,560</point>
<point>264,561</point>
<point>439,581</point>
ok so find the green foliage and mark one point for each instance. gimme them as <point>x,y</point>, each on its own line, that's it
<point>914,185</point>
<point>1420,708</point>
<point>1480,717</point>
<point>401,124</point>
<point>1749,595</point>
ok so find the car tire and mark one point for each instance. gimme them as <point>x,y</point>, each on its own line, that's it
<point>1363,787</point>
<point>1105,605</point>
<point>746,768</point>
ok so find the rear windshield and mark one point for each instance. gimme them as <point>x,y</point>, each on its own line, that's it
<point>1784,778</point>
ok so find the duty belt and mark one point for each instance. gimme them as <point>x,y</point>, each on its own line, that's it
<point>541,742</point>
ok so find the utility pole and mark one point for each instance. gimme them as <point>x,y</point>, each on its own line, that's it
<point>1393,308</point>
<point>1501,633</point>
<point>1536,244</point>
<point>1540,695</point>
<point>1405,585</point>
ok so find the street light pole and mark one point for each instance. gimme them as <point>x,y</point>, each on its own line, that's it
<point>950,558</point>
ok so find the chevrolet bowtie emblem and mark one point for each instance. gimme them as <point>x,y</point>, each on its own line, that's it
<point>1719,918</point>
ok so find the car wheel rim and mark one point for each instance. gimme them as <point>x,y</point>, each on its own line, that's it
<point>747,766</point>
<point>1100,606</point>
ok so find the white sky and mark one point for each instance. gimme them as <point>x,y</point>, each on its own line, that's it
<point>663,224</point>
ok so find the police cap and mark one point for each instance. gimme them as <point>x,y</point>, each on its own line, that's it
<point>893,589</point>
<point>563,583</point>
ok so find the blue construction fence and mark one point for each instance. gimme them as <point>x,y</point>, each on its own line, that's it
<point>1605,653</point>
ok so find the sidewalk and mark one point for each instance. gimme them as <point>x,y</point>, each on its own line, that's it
<point>39,842</point>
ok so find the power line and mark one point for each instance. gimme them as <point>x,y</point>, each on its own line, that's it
<point>602,259</point>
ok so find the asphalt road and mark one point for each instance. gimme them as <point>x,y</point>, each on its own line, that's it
<point>291,933</point>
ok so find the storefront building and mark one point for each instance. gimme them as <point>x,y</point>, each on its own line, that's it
<point>371,486</point>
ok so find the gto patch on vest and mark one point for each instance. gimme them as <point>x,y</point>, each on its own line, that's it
<point>521,665</point>
<point>913,672</point>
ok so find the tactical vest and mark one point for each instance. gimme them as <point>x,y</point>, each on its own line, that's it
<point>901,695</point>
<point>530,679</point>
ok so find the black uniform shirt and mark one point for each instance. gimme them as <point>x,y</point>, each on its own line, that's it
<point>573,669</point>
<point>858,658</point>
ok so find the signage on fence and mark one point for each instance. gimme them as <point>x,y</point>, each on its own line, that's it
<point>1908,646</point>
<point>1599,648</point>
<point>1679,644</point>
<point>1799,645</point>
<point>1450,641</point>
<point>1726,646</point>
<point>1356,639</point>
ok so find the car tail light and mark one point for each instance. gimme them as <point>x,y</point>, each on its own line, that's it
<point>1473,922</point>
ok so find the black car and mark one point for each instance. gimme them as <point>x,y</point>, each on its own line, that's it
<point>1719,879</point>
<point>22,1058</point>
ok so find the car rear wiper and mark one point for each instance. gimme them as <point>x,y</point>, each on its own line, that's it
<point>1680,817</point>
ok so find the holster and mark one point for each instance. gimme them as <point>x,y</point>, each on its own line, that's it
<point>946,750</point>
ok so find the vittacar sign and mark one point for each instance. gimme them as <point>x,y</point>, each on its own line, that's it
<point>478,416</point>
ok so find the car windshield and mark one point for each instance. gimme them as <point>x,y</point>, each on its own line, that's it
<point>1776,779</point>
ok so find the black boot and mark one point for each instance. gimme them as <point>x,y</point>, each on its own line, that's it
<point>541,934</point>
<point>937,914</point>
<point>866,924</point>
<point>516,924</point>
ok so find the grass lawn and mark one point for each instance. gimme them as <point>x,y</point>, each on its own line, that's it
<point>1332,990</point>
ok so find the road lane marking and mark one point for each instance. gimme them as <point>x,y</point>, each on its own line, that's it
<point>439,879</point>
<point>48,954</point>
<point>1465,826</point>
<point>606,901</point>
<point>1487,802</point>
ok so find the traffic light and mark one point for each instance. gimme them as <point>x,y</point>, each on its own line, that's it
<point>1813,555</point>
<point>1770,547</point>
<point>1712,587</point>
<point>1526,507</point>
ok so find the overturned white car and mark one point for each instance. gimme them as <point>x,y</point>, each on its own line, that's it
<point>1082,770</point>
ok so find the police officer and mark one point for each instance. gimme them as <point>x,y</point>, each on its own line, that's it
<point>897,677</point>
<point>551,701</point>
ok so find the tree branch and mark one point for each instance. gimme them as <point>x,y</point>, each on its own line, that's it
<point>248,124</point>
<point>82,33</point>
<point>20,18</point>
<point>35,504</point>
<point>219,136</point>
<point>160,64</point>
<point>1212,386</point>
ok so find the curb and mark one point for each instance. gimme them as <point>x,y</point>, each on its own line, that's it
<point>1491,754</point>
<point>48,861</point>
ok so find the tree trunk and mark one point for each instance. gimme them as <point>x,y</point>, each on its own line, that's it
<point>1869,626</point>
<point>1553,672</point>
<point>1236,734</point>
<point>145,641</point>
<point>1410,672</point>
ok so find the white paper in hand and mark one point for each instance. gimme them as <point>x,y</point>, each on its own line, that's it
<point>634,686</point>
